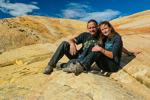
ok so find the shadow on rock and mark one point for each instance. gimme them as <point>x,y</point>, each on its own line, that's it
<point>124,61</point>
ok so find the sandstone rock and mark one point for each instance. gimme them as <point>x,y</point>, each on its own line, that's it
<point>29,30</point>
<point>21,69</point>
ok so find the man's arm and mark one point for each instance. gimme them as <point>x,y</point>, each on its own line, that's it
<point>130,53</point>
<point>72,41</point>
<point>73,49</point>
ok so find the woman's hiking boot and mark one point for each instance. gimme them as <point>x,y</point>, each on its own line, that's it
<point>59,65</point>
<point>74,68</point>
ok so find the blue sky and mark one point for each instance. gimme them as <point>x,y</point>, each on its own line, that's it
<point>82,10</point>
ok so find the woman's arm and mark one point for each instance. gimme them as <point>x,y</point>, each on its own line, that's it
<point>130,53</point>
<point>116,43</point>
<point>105,52</point>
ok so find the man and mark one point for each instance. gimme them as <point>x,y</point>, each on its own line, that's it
<point>69,48</point>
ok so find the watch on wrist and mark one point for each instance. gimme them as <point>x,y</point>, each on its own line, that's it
<point>130,53</point>
<point>103,51</point>
<point>71,43</point>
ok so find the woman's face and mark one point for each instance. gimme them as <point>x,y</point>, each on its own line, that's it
<point>105,29</point>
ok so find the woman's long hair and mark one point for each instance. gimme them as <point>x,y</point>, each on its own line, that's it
<point>102,38</point>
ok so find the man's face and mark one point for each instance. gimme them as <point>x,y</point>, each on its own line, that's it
<point>92,27</point>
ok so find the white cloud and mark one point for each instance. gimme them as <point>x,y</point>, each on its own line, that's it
<point>106,15</point>
<point>34,3</point>
<point>16,9</point>
<point>77,5</point>
<point>70,13</point>
<point>85,13</point>
<point>74,11</point>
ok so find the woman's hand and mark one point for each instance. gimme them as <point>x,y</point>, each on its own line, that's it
<point>132,53</point>
<point>105,52</point>
<point>97,48</point>
<point>135,53</point>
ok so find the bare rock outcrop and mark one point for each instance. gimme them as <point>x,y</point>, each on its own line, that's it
<point>135,33</point>
<point>21,68</point>
<point>29,30</point>
<point>24,79</point>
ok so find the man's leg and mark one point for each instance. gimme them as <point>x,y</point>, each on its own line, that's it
<point>87,58</point>
<point>64,48</point>
<point>85,53</point>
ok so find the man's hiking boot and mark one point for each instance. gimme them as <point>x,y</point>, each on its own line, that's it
<point>48,69</point>
<point>74,68</point>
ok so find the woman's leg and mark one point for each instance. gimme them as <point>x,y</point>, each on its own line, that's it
<point>107,64</point>
<point>64,65</point>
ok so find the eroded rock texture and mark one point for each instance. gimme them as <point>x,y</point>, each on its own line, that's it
<point>27,44</point>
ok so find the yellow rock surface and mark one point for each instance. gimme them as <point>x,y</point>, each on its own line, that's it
<point>24,56</point>
<point>135,34</point>
<point>29,30</point>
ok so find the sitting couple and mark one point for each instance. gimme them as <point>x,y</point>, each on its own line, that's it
<point>102,44</point>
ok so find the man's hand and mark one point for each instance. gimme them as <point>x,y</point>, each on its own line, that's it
<point>73,49</point>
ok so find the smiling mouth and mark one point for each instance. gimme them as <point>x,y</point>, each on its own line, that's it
<point>92,31</point>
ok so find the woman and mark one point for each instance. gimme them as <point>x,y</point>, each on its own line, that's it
<point>107,57</point>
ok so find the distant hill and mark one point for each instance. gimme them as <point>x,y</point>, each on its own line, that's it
<point>28,30</point>
<point>138,23</point>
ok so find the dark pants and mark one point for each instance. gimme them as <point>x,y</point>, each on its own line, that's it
<point>107,64</point>
<point>63,49</point>
<point>87,58</point>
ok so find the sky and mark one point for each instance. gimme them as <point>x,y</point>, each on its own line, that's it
<point>83,10</point>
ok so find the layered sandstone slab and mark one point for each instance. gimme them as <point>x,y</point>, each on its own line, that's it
<point>21,68</point>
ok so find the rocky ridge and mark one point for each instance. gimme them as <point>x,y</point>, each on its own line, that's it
<point>21,68</point>
<point>135,33</point>
<point>29,30</point>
